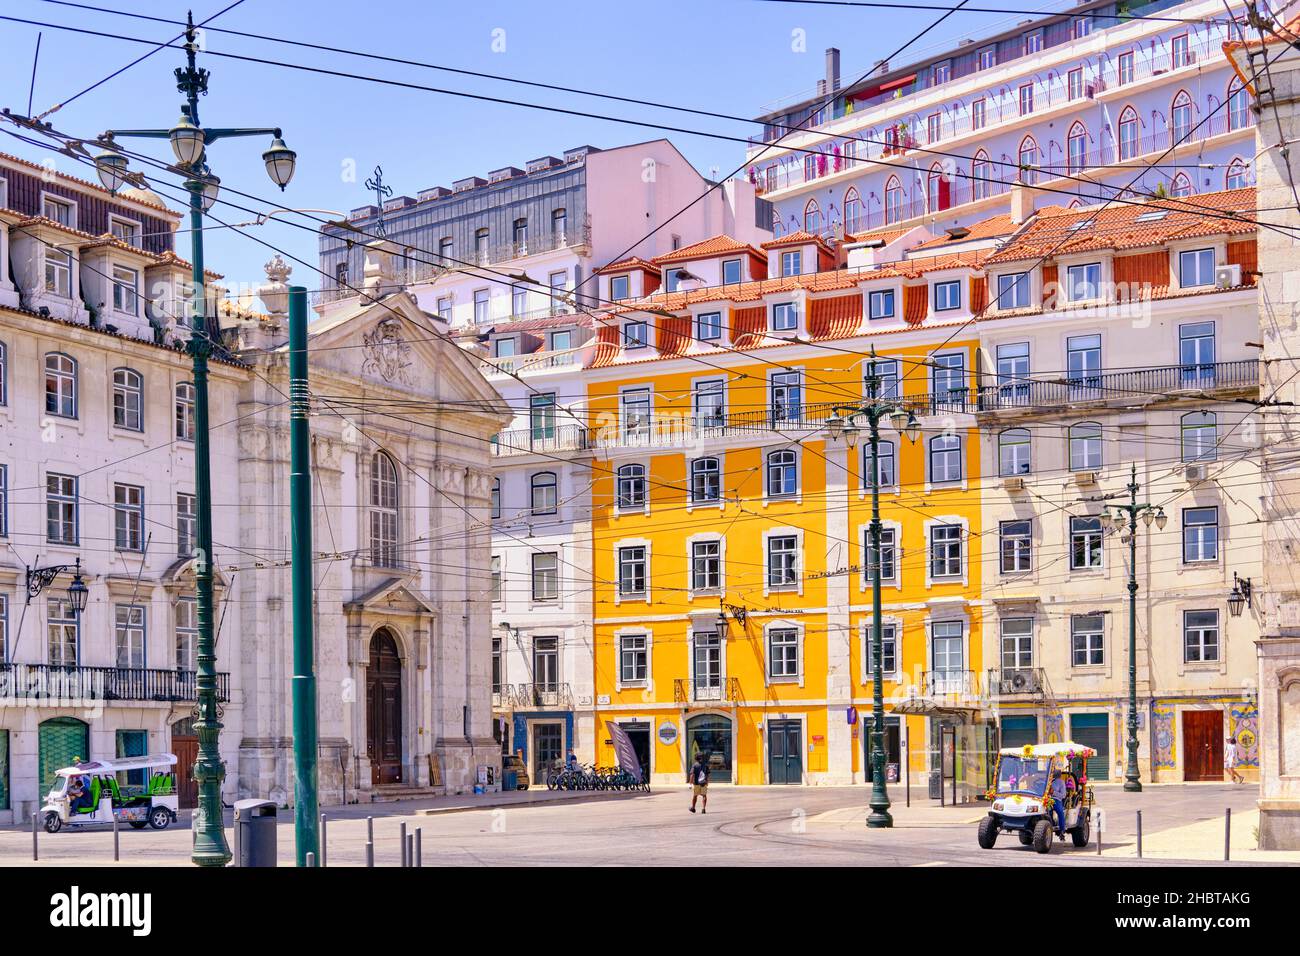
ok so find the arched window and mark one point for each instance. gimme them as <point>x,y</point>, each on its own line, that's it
<point>1076,149</point>
<point>185,411</point>
<point>383,511</point>
<point>60,385</point>
<point>496,498</point>
<point>128,399</point>
<point>1028,159</point>
<point>706,480</point>
<point>1200,439</point>
<point>885,459</point>
<point>782,473</point>
<point>1014,452</point>
<point>893,201</point>
<point>1085,446</point>
<point>812,217</point>
<point>1236,177</point>
<point>1181,186</point>
<point>1238,106</point>
<point>981,177</point>
<point>1128,133</point>
<point>778,228</point>
<point>1180,117</point>
<point>945,458</point>
<point>852,211</point>
<point>544,496</point>
<point>631,487</point>
<point>936,189</point>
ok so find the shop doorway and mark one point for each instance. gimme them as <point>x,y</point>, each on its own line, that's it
<point>711,734</point>
<point>1202,745</point>
<point>784,752</point>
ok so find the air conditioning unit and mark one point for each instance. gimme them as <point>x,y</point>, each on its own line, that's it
<point>1013,484</point>
<point>1227,276</point>
<point>1085,477</point>
<point>1195,473</point>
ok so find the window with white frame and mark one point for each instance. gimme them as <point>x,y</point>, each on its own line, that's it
<point>60,211</point>
<point>1200,535</point>
<point>633,659</point>
<point>4,501</point>
<point>636,413</point>
<point>1014,452</point>
<point>619,287</point>
<point>1017,643</point>
<point>1083,281</point>
<point>1013,291</point>
<point>128,399</point>
<point>496,579</point>
<point>126,290</point>
<point>1087,640</point>
<point>4,374</point>
<point>731,273</point>
<point>187,634</point>
<point>947,654</point>
<point>184,411</point>
<point>706,480</point>
<point>709,400</point>
<point>787,397</point>
<point>631,487</point>
<point>636,335</point>
<point>482,306</point>
<point>1200,636</point>
<point>128,517</point>
<point>888,554</point>
<point>128,635</point>
<point>782,653</point>
<point>383,511</point>
<point>887,472</point>
<point>518,300</point>
<point>881,304</point>
<point>124,230</point>
<point>785,317</point>
<point>498,666</point>
<point>886,375</point>
<point>1085,446</point>
<point>546,576</point>
<point>706,565</point>
<point>1085,544</point>
<point>947,295</point>
<point>545,493</point>
<point>945,550</point>
<point>632,571</point>
<point>708,326</point>
<point>945,459</point>
<point>61,509</point>
<point>1196,268</point>
<point>62,633</point>
<point>782,473</point>
<point>1016,546</point>
<point>1199,436</point>
<point>782,561</point>
<point>1196,349</point>
<point>792,263</point>
<point>495,498</point>
<point>60,385</point>
<point>888,650</point>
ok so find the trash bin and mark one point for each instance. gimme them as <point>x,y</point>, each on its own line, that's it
<point>509,780</point>
<point>255,832</point>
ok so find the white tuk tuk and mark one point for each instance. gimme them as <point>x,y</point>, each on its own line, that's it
<point>91,793</point>
<point>1022,801</point>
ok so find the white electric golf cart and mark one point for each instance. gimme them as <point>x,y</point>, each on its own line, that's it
<point>90,793</point>
<point>1022,798</point>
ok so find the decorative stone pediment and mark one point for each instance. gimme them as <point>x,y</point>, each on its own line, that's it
<point>393,596</point>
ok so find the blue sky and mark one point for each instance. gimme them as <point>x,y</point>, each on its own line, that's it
<point>731,56</point>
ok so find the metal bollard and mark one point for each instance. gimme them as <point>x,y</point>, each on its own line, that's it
<point>36,825</point>
<point>401,839</point>
<point>311,858</point>
<point>323,839</point>
<point>1139,834</point>
<point>116,847</point>
<point>1227,834</point>
<point>410,849</point>
<point>370,829</point>
<point>370,854</point>
<point>1099,821</point>
<point>419,850</point>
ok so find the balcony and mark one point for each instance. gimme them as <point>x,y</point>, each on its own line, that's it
<point>528,441</point>
<point>1020,682</point>
<point>1125,386</point>
<point>538,695</point>
<point>701,691</point>
<point>56,682</point>
<point>503,696</point>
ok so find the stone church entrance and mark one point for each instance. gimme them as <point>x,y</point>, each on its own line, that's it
<point>384,709</point>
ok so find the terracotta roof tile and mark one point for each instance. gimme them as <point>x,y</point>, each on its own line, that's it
<point>707,248</point>
<point>631,262</point>
<point>992,228</point>
<point>800,238</point>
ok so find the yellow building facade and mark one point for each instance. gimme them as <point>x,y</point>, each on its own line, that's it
<point>732,603</point>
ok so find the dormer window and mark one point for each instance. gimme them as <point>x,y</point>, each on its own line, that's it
<point>126,290</point>
<point>482,305</point>
<point>672,279</point>
<point>636,335</point>
<point>64,213</point>
<point>619,287</point>
<point>1034,42</point>
<point>947,295</point>
<point>785,317</point>
<point>731,272</point>
<point>562,340</point>
<point>1196,268</point>
<point>505,348</point>
<point>123,230</point>
<point>792,263</point>
<point>708,326</point>
<point>1013,291</point>
<point>58,273</point>
<point>1083,281</point>
<point>881,304</point>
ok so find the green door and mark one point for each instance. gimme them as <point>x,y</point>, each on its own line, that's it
<point>785,751</point>
<point>133,743</point>
<point>1093,730</point>
<point>4,770</point>
<point>63,741</point>
<point>1018,731</point>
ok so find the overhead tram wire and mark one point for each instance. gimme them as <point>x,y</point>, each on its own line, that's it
<point>1064,11</point>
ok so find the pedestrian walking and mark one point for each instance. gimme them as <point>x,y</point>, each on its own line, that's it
<point>1230,760</point>
<point>699,781</point>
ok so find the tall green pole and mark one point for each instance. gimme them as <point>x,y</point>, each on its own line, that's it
<point>209,836</point>
<point>1131,781</point>
<point>879,802</point>
<point>305,803</point>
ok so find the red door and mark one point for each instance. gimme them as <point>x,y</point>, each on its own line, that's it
<point>384,710</point>
<point>1202,745</point>
<point>186,748</point>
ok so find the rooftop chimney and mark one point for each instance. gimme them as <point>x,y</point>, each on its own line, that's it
<point>832,70</point>
<point>1022,203</point>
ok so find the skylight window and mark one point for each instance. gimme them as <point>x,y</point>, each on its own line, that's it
<point>1153,216</point>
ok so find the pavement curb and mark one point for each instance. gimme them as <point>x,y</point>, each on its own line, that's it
<point>579,797</point>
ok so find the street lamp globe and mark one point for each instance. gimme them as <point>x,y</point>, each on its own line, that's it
<point>1147,517</point>
<point>1236,601</point>
<point>111,166</point>
<point>211,187</point>
<point>834,427</point>
<point>1161,520</point>
<point>186,140</point>
<point>280,162</point>
<point>1107,520</point>
<point>913,429</point>
<point>898,418</point>
<point>851,433</point>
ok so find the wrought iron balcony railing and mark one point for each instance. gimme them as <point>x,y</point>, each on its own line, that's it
<point>703,690</point>
<point>950,684</point>
<point>1119,386</point>
<point>59,682</point>
<point>542,694</point>
<point>524,441</point>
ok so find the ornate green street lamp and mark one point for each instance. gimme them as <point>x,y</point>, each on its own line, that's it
<point>189,142</point>
<point>904,422</point>
<point>1125,520</point>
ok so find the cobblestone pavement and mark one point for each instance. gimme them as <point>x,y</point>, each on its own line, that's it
<point>745,826</point>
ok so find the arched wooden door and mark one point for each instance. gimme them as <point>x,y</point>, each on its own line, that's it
<point>384,710</point>
<point>185,745</point>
